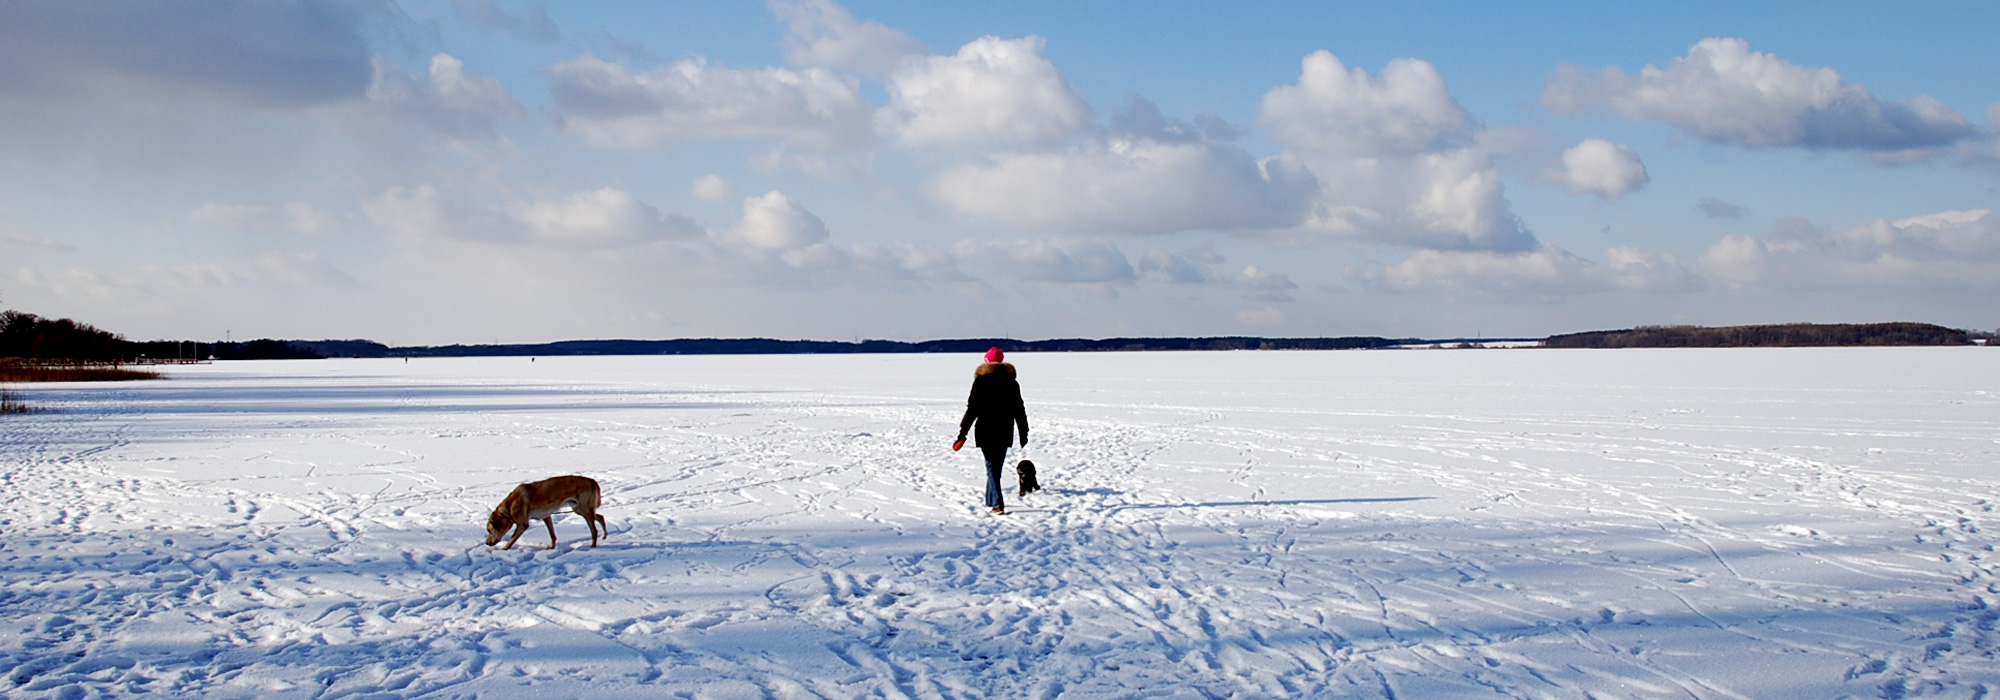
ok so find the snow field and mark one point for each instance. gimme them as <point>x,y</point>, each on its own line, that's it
<point>1760,523</point>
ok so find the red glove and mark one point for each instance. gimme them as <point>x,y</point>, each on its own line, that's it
<point>955,445</point>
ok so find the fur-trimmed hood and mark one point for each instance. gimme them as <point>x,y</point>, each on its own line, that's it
<point>994,367</point>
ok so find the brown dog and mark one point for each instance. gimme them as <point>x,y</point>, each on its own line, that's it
<point>539,501</point>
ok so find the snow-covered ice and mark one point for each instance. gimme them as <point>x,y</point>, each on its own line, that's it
<point>1754,523</point>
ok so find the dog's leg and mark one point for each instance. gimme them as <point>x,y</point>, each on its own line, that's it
<point>607,529</point>
<point>551,522</point>
<point>590,518</point>
<point>519,529</point>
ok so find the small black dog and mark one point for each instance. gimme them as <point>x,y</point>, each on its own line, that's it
<point>1028,483</point>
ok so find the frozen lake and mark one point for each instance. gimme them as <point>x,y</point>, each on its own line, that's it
<point>1716,523</point>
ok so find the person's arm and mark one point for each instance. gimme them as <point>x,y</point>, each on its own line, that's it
<point>1021,415</point>
<point>971,400</point>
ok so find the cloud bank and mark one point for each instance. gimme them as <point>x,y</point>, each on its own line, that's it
<point>1723,92</point>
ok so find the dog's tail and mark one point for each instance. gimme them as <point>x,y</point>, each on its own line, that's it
<point>596,498</point>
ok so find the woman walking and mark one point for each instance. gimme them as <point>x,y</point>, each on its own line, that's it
<point>995,407</point>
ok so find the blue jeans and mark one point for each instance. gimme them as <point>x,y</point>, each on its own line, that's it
<point>996,460</point>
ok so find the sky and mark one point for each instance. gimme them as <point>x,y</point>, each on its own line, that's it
<point>481,171</point>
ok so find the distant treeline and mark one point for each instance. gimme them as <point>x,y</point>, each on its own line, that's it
<point>1786,335</point>
<point>31,338</point>
<point>768,346</point>
<point>36,339</point>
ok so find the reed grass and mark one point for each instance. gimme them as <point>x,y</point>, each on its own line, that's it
<point>23,372</point>
<point>11,404</point>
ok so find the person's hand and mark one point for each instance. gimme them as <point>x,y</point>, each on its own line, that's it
<point>1024,438</point>
<point>958,444</point>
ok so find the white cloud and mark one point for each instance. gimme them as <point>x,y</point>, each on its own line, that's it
<point>1547,273</point>
<point>894,264</point>
<point>1397,159</point>
<point>267,269</point>
<point>76,282</point>
<point>606,217</point>
<point>773,221</point>
<point>290,217</point>
<point>1723,92</point>
<point>447,99</point>
<point>1191,267</point>
<point>694,101</point>
<point>607,241</point>
<point>1065,260</point>
<point>712,188</point>
<point>1337,111</point>
<point>822,33</point>
<point>1946,249</point>
<point>1603,167</point>
<point>1450,200</point>
<point>1265,285</point>
<point>603,218</point>
<point>993,91</point>
<point>1128,186</point>
<point>1197,267</point>
<point>426,211</point>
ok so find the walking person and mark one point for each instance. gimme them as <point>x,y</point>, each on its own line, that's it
<point>995,407</point>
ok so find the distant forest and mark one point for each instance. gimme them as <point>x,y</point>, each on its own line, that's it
<point>1786,335</point>
<point>767,346</point>
<point>27,337</point>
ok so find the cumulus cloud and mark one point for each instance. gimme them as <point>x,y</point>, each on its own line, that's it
<point>246,53</point>
<point>1717,209</point>
<point>1451,200</point>
<point>599,218</point>
<point>1130,186</point>
<point>1338,111</point>
<point>608,239</point>
<point>774,221</point>
<point>992,92</point>
<point>712,188</point>
<point>1951,248</point>
<point>822,33</point>
<point>1603,167</point>
<point>1066,260</point>
<point>1723,92</point>
<point>1397,159</point>
<point>1264,285</point>
<point>694,101</point>
<point>1547,273</point>
<point>290,217</point>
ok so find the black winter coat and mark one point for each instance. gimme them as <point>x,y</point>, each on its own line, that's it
<point>995,405</point>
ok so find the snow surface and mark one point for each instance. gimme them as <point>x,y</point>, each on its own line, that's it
<point>1754,523</point>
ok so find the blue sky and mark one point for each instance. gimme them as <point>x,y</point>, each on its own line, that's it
<point>481,171</point>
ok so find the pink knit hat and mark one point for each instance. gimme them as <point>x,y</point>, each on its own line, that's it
<point>994,355</point>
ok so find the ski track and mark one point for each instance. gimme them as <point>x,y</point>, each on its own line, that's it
<point>254,530</point>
